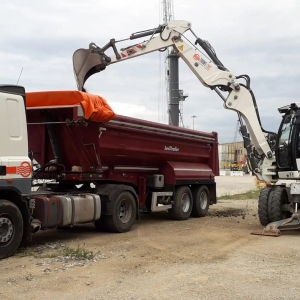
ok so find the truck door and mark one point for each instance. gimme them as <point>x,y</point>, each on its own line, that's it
<point>15,165</point>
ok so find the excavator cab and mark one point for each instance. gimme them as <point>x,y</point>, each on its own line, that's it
<point>288,142</point>
<point>278,204</point>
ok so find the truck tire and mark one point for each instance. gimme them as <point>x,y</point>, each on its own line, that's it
<point>123,214</point>
<point>201,200</point>
<point>277,198</point>
<point>11,228</point>
<point>263,206</point>
<point>183,204</point>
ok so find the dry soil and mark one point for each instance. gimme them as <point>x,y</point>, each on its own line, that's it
<point>214,257</point>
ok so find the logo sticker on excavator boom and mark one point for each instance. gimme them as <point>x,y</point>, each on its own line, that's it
<point>180,48</point>
<point>196,57</point>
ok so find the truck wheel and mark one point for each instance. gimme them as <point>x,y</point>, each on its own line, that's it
<point>277,198</point>
<point>11,228</point>
<point>123,214</point>
<point>263,206</point>
<point>183,204</point>
<point>201,201</point>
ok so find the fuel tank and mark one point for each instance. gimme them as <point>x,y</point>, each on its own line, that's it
<point>66,210</point>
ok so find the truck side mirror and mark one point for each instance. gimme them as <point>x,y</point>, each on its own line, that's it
<point>30,155</point>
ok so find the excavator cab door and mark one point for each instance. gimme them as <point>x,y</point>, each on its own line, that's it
<point>296,145</point>
<point>288,143</point>
<point>283,154</point>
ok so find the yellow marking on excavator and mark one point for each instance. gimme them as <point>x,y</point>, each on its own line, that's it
<point>180,48</point>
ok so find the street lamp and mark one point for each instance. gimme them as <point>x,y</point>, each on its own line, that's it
<point>193,116</point>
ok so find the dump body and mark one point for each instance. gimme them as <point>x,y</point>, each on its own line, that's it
<point>121,150</point>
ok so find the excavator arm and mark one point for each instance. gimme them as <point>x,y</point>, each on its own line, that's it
<point>206,67</point>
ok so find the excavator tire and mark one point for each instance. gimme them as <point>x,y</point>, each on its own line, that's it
<point>277,198</point>
<point>263,206</point>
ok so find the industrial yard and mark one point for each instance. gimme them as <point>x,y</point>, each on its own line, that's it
<point>132,182</point>
<point>214,257</point>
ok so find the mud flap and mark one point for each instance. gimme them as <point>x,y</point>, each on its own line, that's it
<point>274,228</point>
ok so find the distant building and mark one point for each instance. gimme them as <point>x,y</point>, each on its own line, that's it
<point>232,155</point>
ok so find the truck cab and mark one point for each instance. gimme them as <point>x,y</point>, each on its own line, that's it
<point>15,169</point>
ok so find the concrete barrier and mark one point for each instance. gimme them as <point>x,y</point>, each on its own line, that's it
<point>236,173</point>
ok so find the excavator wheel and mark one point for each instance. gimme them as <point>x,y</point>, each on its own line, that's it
<point>277,198</point>
<point>271,213</point>
<point>263,206</point>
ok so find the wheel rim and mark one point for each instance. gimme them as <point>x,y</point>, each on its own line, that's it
<point>203,200</point>
<point>185,202</point>
<point>6,229</point>
<point>124,211</point>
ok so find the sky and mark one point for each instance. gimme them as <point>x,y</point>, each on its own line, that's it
<point>257,38</point>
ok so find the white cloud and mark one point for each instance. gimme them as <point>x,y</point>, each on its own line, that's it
<point>258,38</point>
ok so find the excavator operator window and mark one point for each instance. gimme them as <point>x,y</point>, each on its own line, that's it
<point>285,142</point>
<point>296,138</point>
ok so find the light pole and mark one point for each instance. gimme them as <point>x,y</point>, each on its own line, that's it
<point>193,116</point>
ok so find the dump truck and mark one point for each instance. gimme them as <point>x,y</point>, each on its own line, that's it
<point>65,162</point>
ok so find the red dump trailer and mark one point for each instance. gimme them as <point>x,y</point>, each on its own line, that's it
<point>106,173</point>
<point>133,165</point>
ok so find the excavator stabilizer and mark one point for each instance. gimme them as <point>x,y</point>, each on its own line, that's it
<point>274,228</point>
<point>268,232</point>
<point>85,64</point>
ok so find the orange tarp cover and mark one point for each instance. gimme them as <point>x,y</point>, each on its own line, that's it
<point>95,108</point>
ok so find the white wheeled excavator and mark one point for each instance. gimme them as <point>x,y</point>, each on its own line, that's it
<point>274,157</point>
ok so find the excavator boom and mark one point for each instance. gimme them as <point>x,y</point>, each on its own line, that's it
<point>206,67</point>
<point>87,62</point>
<point>281,196</point>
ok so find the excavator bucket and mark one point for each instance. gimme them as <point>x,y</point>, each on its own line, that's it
<point>85,64</point>
<point>274,228</point>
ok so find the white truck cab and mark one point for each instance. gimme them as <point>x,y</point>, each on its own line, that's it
<point>16,168</point>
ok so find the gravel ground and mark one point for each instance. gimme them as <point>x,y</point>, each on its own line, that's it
<point>214,257</point>
<point>234,184</point>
